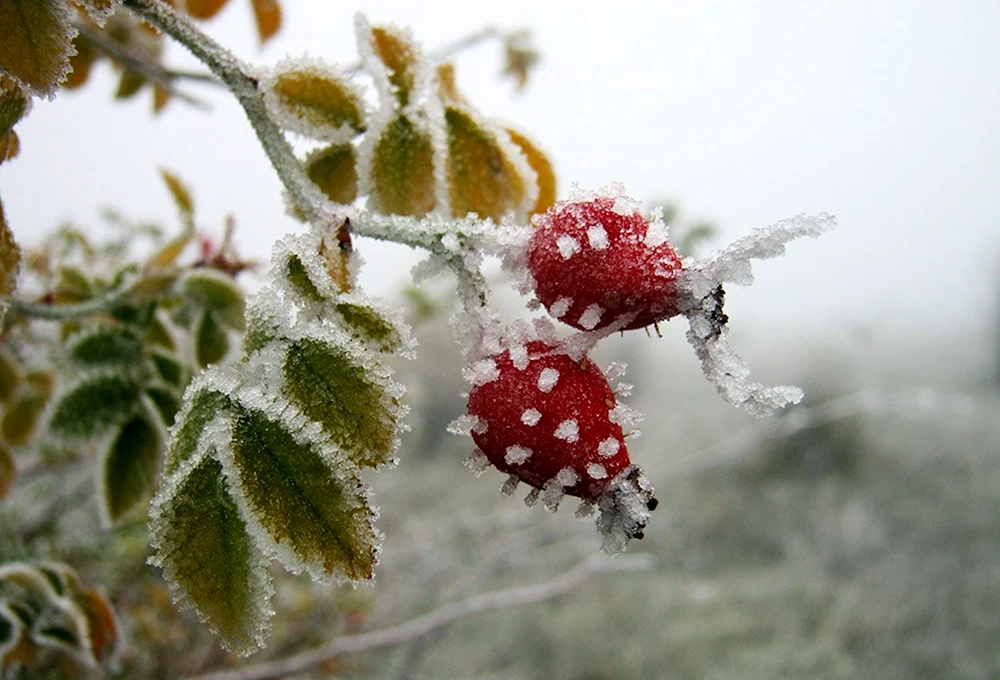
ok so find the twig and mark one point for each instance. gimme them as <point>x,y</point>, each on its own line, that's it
<point>53,312</point>
<point>134,61</point>
<point>237,77</point>
<point>437,619</point>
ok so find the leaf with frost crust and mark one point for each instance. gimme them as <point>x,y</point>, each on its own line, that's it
<point>306,505</point>
<point>209,556</point>
<point>314,100</point>
<point>36,40</point>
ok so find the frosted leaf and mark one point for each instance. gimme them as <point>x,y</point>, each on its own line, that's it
<point>568,430</point>
<point>531,417</point>
<point>591,316</point>
<point>608,448</point>
<point>732,263</point>
<point>515,455</point>
<point>509,485</point>
<point>547,379</point>
<point>596,471</point>
<point>568,246</point>
<point>313,99</point>
<point>481,372</point>
<point>477,462</point>
<point>560,307</point>
<point>597,237</point>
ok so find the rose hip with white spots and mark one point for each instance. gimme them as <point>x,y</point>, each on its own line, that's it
<point>556,426</point>
<point>599,262</point>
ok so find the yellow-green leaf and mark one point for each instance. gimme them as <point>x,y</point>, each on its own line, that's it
<point>204,9</point>
<point>21,419</point>
<point>544,172</point>
<point>184,202</point>
<point>208,554</point>
<point>216,292</point>
<point>333,170</point>
<point>130,467</point>
<point>315,101</point>
<point>400,57</point>
<point>481,178</point>
<point>402,172</point>
<point>36,42</point>
<point>129,84</point>
<point>298,277</point>
<point>10,264</point>
<point>267,14</point>
<point>320,513</point>
<point>10,376</point>
<point>352,407</point>
<point>369,326</point>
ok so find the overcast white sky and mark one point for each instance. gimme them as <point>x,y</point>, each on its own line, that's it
<point>882,113</point>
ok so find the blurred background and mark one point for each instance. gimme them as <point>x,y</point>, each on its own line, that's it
<point>857,535</point>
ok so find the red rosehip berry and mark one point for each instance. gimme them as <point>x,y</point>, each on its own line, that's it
<point>554,423</point>
<point>599,262</point>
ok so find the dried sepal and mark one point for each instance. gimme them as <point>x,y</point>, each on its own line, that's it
<point>209,556</point>
<point>333,169</point>
<point>36,39</point>
<point>314,100</point>
<point>311,507</point>
<point>267,16</point>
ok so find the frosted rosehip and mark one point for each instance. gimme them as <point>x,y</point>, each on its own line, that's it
<point>554,423</point>
<point>599,262</point>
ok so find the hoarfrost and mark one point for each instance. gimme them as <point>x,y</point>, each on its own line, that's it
<point>515,455</point>
<point>532,497</point>
<point>481,372</point>
<point>477,462</point>
<point>657,233</point>
<point>531,417</point>
<point>597,471</point>
<point>509,485</point>
<point>568,430</point>
<point>625,509</point>
<point>597,237</point>
<point>465,424</point>
<point>584,510</point>
<point>615,370</point>
<point>547,379</point>
<point>560,307</point>
<point>591,316</point>
<point>608,447</point>
<point>624,415</point>
<point>568,246</point>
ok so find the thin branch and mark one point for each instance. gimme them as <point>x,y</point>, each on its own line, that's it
<point>133,60</point>
<point>53,312</point>
<point>238,77</point>
<point>437,619</point>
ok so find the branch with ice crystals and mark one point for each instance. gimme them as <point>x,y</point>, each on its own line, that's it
<point>702,283</point>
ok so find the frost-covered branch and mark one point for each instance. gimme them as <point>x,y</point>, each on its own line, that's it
<point>54,312</point>
<point>237,77</point>
<point>437,619</point>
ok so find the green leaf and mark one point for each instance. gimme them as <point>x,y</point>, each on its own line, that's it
<point>130,467</point>
<point>402,171</point>
<point>94,406</point>
<point>166,402</point>
<point>369,326</point>
<point>215,292</point>
<point>21,419</point>
<point>201,406</point>
<point>208,554</point>
<point>299,279</point>
<point>8,470</point>
<point>36,42</point>
<point>356,412</point>
<point>320,513</point>
<point>107,345</point>
<point>169,367</point>
<point>211,341</point>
